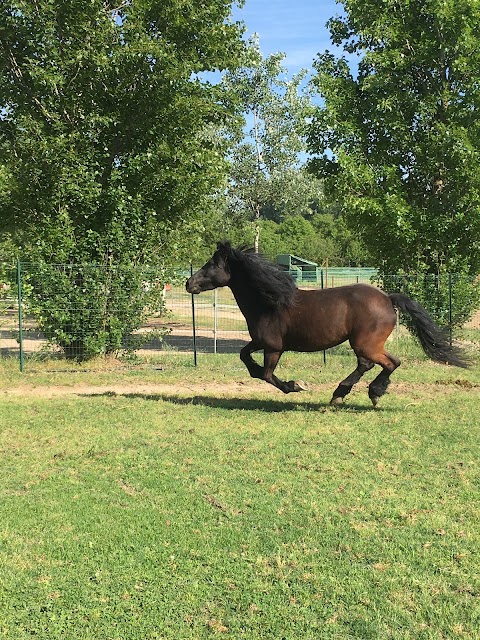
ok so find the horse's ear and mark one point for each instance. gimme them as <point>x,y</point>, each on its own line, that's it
<point>224,246</point>
<point>224,249</point>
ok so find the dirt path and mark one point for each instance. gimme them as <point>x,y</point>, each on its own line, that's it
<point>234,388</point>
<point>237,389</point>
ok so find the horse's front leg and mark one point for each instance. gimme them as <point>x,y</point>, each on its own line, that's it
<point>254,369</point>
<point>271,359</point>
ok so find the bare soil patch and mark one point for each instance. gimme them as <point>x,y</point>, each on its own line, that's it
<point>474,322</point>
<point>234,388</point>
<point>239,389</point>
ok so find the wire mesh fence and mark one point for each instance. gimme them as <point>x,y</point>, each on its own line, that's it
<point>78,312</point>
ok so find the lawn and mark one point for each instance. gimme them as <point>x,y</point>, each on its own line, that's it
<point>217,507</point>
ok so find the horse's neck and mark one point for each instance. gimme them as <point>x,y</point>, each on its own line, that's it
<point>248,300</point>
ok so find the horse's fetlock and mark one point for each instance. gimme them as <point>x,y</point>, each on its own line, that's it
<point>342,390</point>
<point>336,401</point>
<point>378,390</point>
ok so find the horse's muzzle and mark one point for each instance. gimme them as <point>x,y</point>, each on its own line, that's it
<point>191,287</point>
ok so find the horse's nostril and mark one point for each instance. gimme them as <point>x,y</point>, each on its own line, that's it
<point>192,288</point>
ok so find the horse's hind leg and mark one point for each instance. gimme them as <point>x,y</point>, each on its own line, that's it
<point>345,386</point>
<point>379,385</point>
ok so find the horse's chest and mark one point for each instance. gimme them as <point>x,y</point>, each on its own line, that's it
<point>268,330</point>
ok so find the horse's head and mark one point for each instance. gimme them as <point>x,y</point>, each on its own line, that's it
<point>214,273</point>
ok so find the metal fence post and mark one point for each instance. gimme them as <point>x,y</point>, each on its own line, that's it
<point>215,319</point>
<point>20,313</point>
<point>193,325</point>
<point>450,310</point>
<point>324,352</point>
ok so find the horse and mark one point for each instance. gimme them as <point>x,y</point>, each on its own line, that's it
<point>280,317</point>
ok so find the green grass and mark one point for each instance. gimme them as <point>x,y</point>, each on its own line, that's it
<point>200,514</point>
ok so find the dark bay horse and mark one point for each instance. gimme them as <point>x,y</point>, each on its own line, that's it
<point>281,318</point>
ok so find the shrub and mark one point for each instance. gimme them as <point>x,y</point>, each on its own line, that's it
<point>451,299</point>
<point>91,310</point>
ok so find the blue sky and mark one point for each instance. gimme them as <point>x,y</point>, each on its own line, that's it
<point>294,27</point>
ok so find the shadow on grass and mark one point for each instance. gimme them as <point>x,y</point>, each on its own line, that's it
<point>243,404</point>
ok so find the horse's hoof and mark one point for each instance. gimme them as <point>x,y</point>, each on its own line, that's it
<point>374,400</point>
<point>292,386</point>
<point>300,386</point>
<point>336,401</point>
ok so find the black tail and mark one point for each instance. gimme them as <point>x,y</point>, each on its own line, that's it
<point>434,340</point>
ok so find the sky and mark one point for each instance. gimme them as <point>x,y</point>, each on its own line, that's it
<point>293,27</point>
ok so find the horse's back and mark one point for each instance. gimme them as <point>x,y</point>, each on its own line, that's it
<point>350,295</point>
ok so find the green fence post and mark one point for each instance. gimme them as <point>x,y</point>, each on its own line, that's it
<point>450,310</point>
<point>193,325</point>
<point>20,314</point>
<point>324,352</point>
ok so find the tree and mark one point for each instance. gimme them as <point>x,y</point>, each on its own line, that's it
<point>104,125</point>
<point>320,237</point>
<point>267,180</point>
<point>399,144</point>
<point>106,142</point>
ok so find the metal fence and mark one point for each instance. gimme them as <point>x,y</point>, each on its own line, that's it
<point>79,311</point>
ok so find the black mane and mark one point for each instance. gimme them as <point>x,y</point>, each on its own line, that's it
<point>275,287</point>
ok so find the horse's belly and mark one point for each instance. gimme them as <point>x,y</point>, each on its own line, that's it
<point>312,342</point>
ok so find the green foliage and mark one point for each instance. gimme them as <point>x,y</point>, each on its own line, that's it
<point>399,144</point>
<point>92,310</point>
<point>319,238</point>
<point>266,179</point>
<point>105,124</point>
<point>316,237</point>
<point>106,144</point>
<point>449,298</point>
